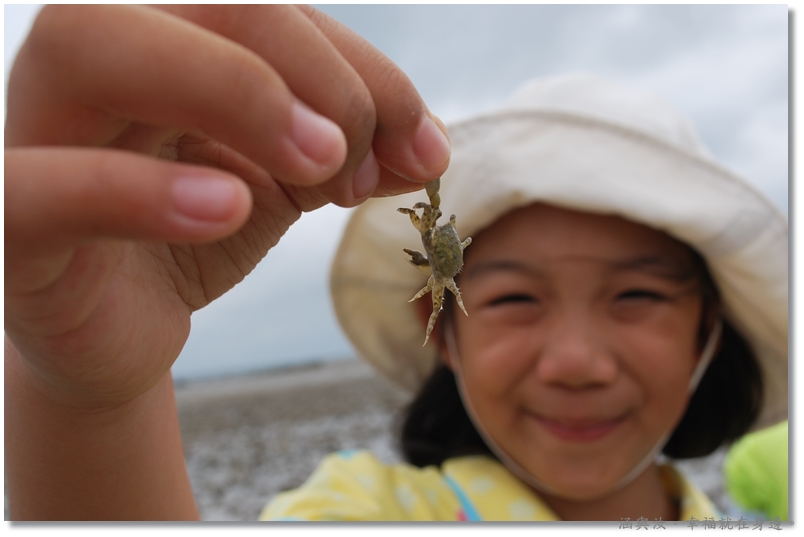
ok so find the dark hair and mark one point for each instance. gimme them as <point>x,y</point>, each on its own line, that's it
<point>436,427</point>
<point>725,404</point>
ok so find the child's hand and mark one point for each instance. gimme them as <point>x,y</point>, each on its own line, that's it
<point>109,249</point>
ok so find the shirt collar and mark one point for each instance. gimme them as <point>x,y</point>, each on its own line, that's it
<point>487,490</point>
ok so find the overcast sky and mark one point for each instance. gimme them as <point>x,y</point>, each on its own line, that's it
<point>724,66</point>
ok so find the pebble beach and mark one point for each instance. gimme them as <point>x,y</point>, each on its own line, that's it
<point>248,438</point>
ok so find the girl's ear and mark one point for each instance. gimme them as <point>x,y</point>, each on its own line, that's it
<point>424,308</point>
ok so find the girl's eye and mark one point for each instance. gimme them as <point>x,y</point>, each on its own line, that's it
<point>512,299</point>
<point>640,294</point>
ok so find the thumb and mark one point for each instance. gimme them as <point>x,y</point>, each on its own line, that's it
<point>63,197</point>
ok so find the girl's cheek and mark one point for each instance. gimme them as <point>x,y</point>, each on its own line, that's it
<point>495,359</point>
<point>663,368</point>
<point>664,341</point>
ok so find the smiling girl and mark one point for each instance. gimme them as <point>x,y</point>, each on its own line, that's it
<point>627,303</point>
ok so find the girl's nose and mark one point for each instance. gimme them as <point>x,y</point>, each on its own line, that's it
<point>574,356</point>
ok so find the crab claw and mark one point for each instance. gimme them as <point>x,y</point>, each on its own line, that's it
<point>418,260</point>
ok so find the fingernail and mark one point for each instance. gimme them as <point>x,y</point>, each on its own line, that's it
<point>430,145</point>
<point>205,198</point>
<point>366,177</point>
<point>320,139</point>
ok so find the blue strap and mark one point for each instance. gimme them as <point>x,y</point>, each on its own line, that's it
<point>468,508</point>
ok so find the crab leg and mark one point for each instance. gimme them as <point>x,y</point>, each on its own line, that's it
<point>432,189</point>
<point>414,218</point>
<point>424,290</point>
<point>438,296</point>
<point>454,288</point>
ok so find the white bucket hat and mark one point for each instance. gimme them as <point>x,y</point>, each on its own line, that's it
<point>584,143</point>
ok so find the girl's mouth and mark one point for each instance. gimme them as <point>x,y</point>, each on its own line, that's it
<point>586,430</point>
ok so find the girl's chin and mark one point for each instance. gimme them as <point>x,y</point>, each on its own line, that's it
<point>580,482</point>
<point>577,491</point>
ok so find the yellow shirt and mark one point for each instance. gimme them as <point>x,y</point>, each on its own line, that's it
<point>354,485</point>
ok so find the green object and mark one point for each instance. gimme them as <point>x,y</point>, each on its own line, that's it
<point>756,472</point>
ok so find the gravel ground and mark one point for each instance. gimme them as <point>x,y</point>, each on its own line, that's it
<point>248,438</point>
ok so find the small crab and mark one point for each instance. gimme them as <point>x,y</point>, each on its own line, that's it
<point>444,250</point>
